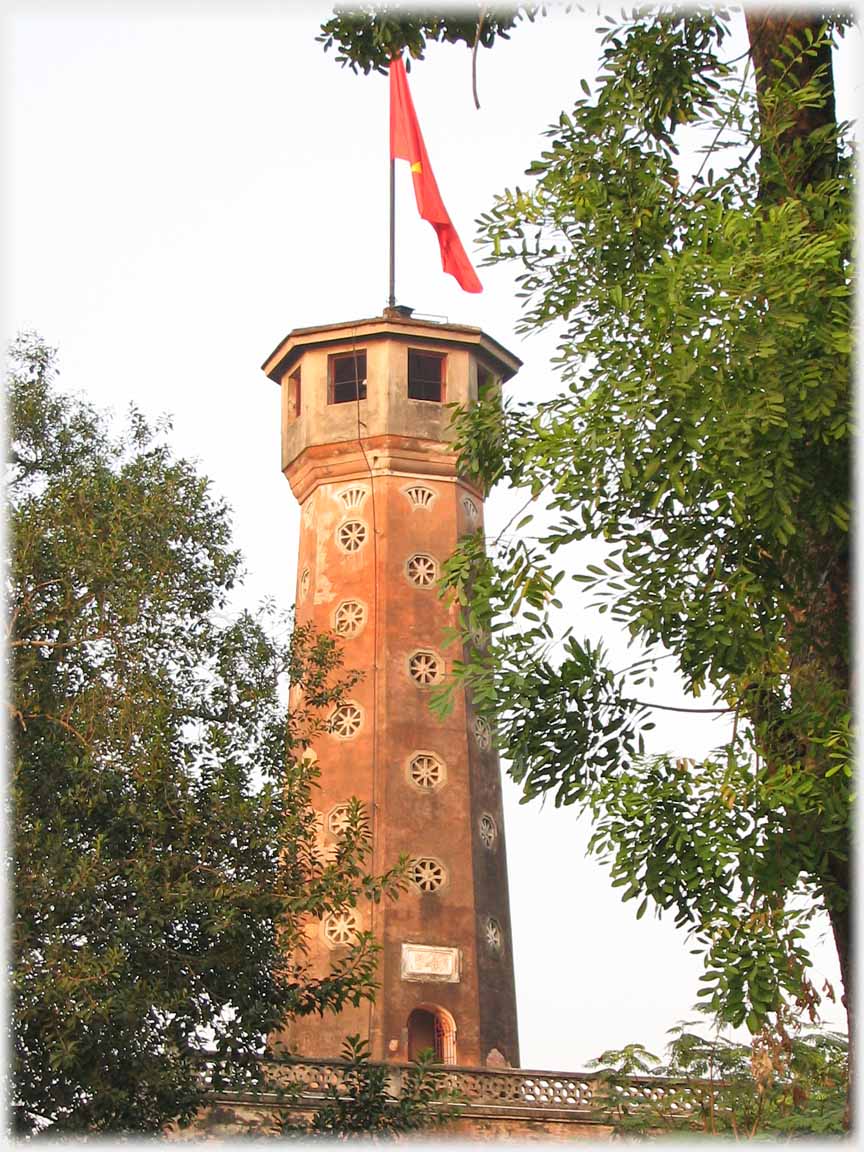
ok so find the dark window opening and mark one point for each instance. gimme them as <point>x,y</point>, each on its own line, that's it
<point>294,395</point>
<point>485,383</point>
<point>425,376</point>
<point>347,378</point>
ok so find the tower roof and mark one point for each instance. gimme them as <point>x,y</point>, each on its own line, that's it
<point>392,325</point>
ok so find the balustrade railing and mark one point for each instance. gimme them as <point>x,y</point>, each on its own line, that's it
<point>491,1090</point>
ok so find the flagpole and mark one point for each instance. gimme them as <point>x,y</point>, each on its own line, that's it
<point>392,297</point>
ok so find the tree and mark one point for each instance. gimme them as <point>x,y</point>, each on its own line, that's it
<point>166,855</point>
<point>703,435</point>
<point>364,1105</point>
<point>792,1085</point>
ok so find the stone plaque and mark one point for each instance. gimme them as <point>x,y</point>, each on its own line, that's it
<point>429,962</point>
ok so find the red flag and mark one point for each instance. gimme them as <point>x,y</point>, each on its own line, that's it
<point>406,143</point>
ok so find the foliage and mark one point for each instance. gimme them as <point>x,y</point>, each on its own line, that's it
<point>702,310</point>
<point>777,1085</point>
<point>165,852</point>
<point>365,1106</point>
<point>704,437</point>
<point>366,37</point>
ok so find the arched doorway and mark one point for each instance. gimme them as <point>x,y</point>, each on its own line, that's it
<point>432,1027</point>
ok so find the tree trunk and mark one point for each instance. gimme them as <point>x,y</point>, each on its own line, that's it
<point>791,159</point>
<point>839,913</point>
<point>783,171</point>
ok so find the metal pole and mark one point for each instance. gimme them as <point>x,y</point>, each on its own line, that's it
<point>392,298</point>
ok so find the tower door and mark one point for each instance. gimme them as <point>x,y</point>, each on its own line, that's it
<point>445,1038</point>
<point>432,1029</point>
<point>421,1033</point>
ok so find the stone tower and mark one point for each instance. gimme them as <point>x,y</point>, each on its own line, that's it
<point>367,450</point>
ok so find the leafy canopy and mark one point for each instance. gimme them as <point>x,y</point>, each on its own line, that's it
<point>703,318</point>
<point>793,1085</point>
<point>367,36</point>
<point>164,840</point>
<point>703,312</point>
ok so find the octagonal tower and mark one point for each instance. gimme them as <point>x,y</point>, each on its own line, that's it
<point>367,449</point>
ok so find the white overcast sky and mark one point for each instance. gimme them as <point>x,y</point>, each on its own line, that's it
<point>188,182</point>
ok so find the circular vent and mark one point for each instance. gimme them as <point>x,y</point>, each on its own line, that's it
<point>428,874</point>
<point>488,830</point>
<point>426,771</point>
<point>349,617</point>
<point>493,934</point>
<point>352,535</point>
<point>345,721</point>
<point>425,667</point>
<point>422,570</point>
<point>338,819</point>
<point>341,928</point>
<point>479,635</point>
<point>482,733</point>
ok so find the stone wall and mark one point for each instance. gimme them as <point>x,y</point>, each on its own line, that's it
<point>506,1104</point>
<point>230,1117</point>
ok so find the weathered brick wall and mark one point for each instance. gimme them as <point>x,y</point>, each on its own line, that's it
<point>228,1118</point>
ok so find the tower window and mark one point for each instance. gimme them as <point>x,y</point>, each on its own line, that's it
<point>294,396</point>
<point>347,378</point>
<point>425,376</point>
<point>485,383</point>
